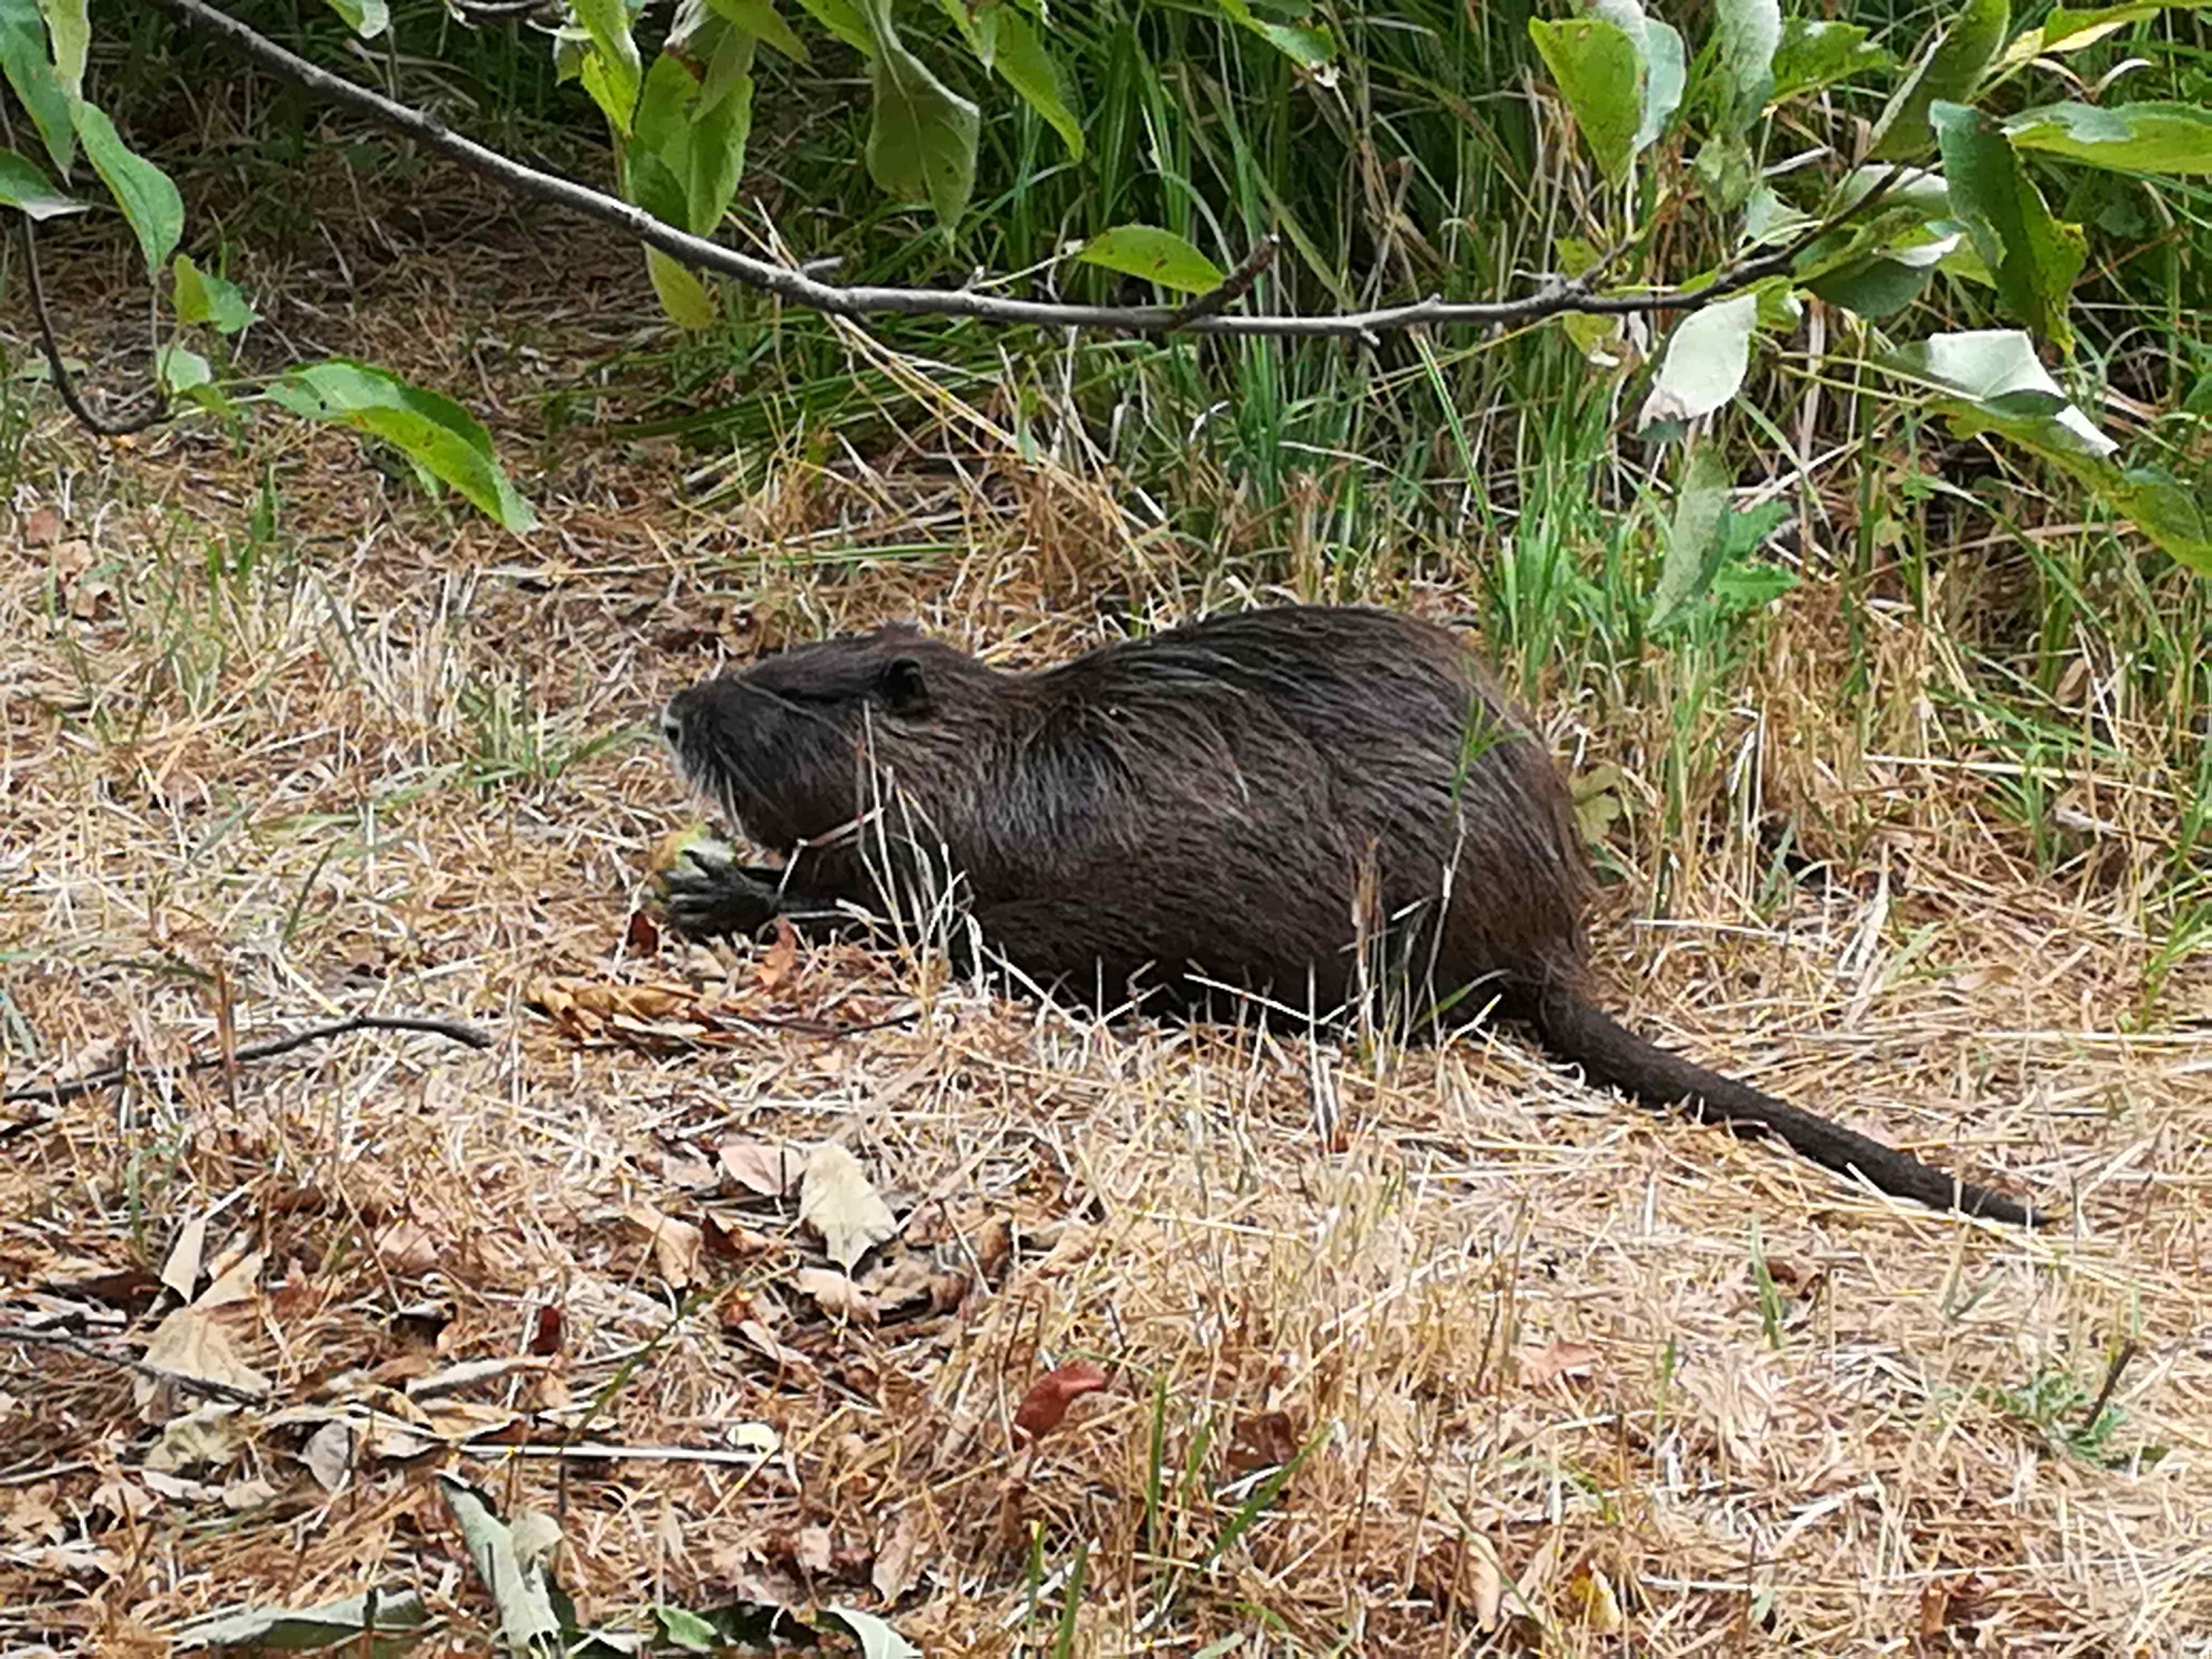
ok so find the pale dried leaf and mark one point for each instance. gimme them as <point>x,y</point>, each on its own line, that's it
<point>193,1342</point>
<point>894,1569</point>
<point>759,1167</point>
<point>782,958</point>
<point>1537,1365</point>
<point>837,1202</point>
<point>214,1435</point>
<point>679,1247</point>
<point>836,1294</point>
<point>181,1271</point>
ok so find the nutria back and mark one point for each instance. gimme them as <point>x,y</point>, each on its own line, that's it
<point>1320,805</point>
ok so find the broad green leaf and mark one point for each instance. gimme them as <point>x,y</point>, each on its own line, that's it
<point>661,124</point>
<point>686,156</point>
<point>201,297</point>
<point>367,18</point>
<point>2168,138</point>
<point>1693,539</point>
<point>921,141</point>
<point>612,74</point>
<point>1659,50</point>
<point>514,1575</point>
<point>687,301</point>
<point>38,84</point>
<point>436,432</point>
<point>1739,586</point>
<point>843,18</point>
<point>2064,31</point>
<point>722,126</point>
<point>72,37</point>
<point>688,1630</point>
<point>23,186</point>
<point>1599,71</point>
<point>1951,72</point>
<point>145,193</point>
<point>1158,256</point>
<point>2033,258</point>
<point>182,369</point>
<point>1985,367</point>
<point>654,185</point>
<point>1815,55</point>
<point>1015,54</point>
<point>393,1615</point>
<point>1873,287</point>
<point>878,1639</point>
<point>2169,513</point>
<point>1707,357</point>
<point>1726,171</point>
<point>1747,32</point>
<point>1305,45</point>
<point>761,19</point>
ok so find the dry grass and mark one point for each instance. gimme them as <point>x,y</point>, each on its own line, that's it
<point>1686,1395</point>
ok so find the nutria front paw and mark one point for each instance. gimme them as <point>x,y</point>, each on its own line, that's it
<point>709,894</point>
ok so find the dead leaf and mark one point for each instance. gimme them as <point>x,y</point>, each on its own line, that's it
<point>1536,1577</point>
<point>193,1342</point>
<point>240,1496</point>
<point>836,1294</point>
<point>802,1369</point>
<point>810,1548</point>
<point>677,1246</point>
<point>1594,1596</point>
<point>42,527</point>
<point>758,1167</point>
<point>181,1271</point>
<point>731,1239</point>
<point>994,1243</point>
<point>407,1248</point>
<point>837,1202</point>
<point>642,933</point>
<point>894,1572</point>
<point>1076,1242</point>
<point>782,958</point>
<point>1489,1593</point>
<point>545,1331</point>
<point>213,1435</point>
<point>235,1283</point>
<point>121,1497</point>
<point>1537,1365</point>
<point>1051,1394</point>
<point>33,1516</point>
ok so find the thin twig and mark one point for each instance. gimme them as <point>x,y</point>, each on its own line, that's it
<point>157,410</point>
<point>2111,1382</point>
<point>56,1094</point>
<point>1231,289</point>
<point>92,1350</point>
<point>798,289</point>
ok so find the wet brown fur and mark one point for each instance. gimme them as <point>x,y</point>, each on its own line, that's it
<point>1247,801</point>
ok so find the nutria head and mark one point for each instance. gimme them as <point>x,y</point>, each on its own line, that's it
<point>784,747</point>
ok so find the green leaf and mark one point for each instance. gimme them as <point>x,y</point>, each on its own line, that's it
<point>2169,513</point>
<point>612,72</point>
<point>434,432</point>
<point>761,19</point>
<point>146,195</point>
<point>1985,367</point>
<point>2157,138</point>
<point>1693,538</point>
<point>654,185</point>
<point>2065,30</point>
<point>72,30</point>
<point>1158,256</point>
<point>1726,171</point>
<point>688,1630</point>
<point>1874,287</point>
<point>1740,585</point>
<point>1011,50</point>
<point>922,143</point>
<point>687,300</point>
<point>397,1616</point>
<point>24,187</point>
<point>1816,54</point>
<point>1707,357</point>
<point>1748,32</point>
<point>843,18</point>
<point>203,298</point>
<point>1950,72</point>
<point>2033,258</point>
<point>367,18</point>
<point>1599,71</point>
<point>1308,46</point>
<point>1666,72</point>
<point>182,369</point>
<point>878,1639</point>
<point>721,126</point>
<point>38,84</point>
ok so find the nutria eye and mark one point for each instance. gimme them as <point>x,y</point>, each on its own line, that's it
<point>900,685</point>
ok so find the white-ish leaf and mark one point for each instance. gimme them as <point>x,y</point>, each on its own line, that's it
<point>837,1202</point>
<point>1707,356</point>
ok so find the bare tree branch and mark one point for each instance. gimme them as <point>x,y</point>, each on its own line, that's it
<point>55,1094</point>
<point>799,288</point>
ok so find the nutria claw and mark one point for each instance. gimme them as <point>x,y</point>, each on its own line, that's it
<point>710,895</point>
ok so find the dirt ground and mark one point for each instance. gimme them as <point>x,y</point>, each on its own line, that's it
<point>284,742</point>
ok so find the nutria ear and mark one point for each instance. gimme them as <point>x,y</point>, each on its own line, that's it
<point>901,685</point>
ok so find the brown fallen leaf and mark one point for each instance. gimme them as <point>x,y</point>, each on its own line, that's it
<point>759,1167</point>
<point>782,958</point>
<point>836,1295</point>
<point>642,933</point>
<point>1051,1394</point>
<point>894,1569</point>
<point>42,527</point>
<point>677,1246</point>
<point>407,1248</point>
<point>1074,1245</point>
<point>802,1369</point>
<point>837,1202</point>
<point>194,1342</point>
<point>994,1243</point>
<point>1266,1441</point>
<point>32,1517</point>
<point>1536,1366</point>
<point>545,1331</point>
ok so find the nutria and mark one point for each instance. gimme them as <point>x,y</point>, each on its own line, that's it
<point>1252,802</point>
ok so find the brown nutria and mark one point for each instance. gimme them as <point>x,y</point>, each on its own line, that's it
<point>1251,801</point>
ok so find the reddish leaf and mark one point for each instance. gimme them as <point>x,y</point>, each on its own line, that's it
<point>1051,1394</point>
<point>782,958</point>
<point>545,1331</point>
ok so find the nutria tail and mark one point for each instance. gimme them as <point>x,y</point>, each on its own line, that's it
<point>1576,1031</point>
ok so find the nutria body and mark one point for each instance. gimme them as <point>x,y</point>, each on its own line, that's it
<point>1311,804</point>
